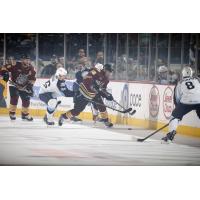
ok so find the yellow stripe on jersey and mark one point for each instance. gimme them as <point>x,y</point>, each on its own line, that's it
<point>85,92</point>
<point>93,72</point>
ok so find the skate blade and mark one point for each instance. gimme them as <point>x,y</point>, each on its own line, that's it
<point>94,125</point>
<point>166,142</point>
<point>24,120</point>
<point>75,122</point>
<point>50,126</point>
<point>108,126</point>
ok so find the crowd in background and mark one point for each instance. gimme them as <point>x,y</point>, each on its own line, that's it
<point>129,66</point>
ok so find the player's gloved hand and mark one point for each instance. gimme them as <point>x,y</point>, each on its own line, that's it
<point>29,88</point>
<point>5,75</point>
<point>108,96</point>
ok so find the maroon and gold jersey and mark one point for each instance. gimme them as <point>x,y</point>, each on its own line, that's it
<point>20,74</point>
<point>92,81</point>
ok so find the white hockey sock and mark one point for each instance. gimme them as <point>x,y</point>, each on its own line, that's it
<point>94,111</point>
<point>49,116</point>
<point>173,125</point>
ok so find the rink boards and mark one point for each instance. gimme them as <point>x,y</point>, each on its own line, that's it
<point>153,103</point>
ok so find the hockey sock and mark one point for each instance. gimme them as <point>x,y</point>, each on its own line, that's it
<point>173,125</point>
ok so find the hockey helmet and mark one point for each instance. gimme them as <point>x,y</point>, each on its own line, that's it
<point>108,67</point>
<point>61,72</point>
<point>99,67</point>
<point>162,69</point>
<point>187,72</point>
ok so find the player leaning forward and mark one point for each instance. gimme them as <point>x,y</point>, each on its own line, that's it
<point>51,90</point>
<point>186,99</point>
<point>21,85</point>
<point>92,88</point>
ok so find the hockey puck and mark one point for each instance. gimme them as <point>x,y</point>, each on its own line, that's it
<point>129,128</point>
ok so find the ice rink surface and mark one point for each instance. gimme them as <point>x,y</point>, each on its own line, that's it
<point>33,143</point>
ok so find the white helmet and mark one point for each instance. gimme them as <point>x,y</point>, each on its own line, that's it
<point>99,67</point>
<point>162,69</point>
<point>187,72</point>
<point>61,72</point>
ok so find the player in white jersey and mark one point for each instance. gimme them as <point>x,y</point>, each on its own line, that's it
<point>186,99</point>
<point>50,90</point>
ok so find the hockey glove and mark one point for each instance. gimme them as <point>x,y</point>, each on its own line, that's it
<point>108,96</point>
<point>29,89</point>
<point>5,75</point>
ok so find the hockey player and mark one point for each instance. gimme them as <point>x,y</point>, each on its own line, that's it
<point>81,73</point>
<point>84,69</point>
<point>92,88</point>
<point>95,107</point>
<point>21,84</point>
<point>186,99</point>
<point>53,88</point>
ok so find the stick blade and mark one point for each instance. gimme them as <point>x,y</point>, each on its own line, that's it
<point>133,112</point>
<point>127,110</point>
<point>140,140</point>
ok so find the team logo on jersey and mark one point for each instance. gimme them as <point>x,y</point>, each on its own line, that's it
<point>154,101</point>
<point>22,79</point>
<point>168,104</point>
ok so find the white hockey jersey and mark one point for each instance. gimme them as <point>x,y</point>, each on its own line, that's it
<point>56,87</point>
<point>187,91</point>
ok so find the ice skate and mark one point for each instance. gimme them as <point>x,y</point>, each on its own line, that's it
<point>61,120</point>
<point>49,122</point>
<point>107,123</point>
<point>75,119</point>
<point>169,137</point>
<point>12,117</point>
<point>27,118</point>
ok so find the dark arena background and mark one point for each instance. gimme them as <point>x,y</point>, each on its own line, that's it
<point>146,68</point>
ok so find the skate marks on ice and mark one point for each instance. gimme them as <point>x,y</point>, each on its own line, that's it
<point>77,144</point>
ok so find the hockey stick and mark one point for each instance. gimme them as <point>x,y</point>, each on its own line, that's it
<point>121,111</point>
<point>143,139</point>
<point>130,113</point>
<point>21,89</point>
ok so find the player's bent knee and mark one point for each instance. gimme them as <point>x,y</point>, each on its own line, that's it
<point>52,103</point>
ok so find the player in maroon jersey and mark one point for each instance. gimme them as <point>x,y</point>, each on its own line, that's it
<point>92,88</point>
<point>22,78</point>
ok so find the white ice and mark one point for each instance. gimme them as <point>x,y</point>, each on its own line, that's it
<point>33,143</point>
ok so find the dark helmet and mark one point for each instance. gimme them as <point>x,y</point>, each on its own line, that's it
<point>108,67</point>
<point>24,56</point>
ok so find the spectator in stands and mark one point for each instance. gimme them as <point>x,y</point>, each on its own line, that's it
<point>81,54</point>
<point>84,63</point>
<point>75,60</point>
<point>163,75</point>
<point>50,69</point>
<point>173,77</point>
<point>99,58</point>
<point>11,60</point>
<point>141,74</point>
<point>61,60</point>
<point>121,67</point>
<point>132,69</point>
